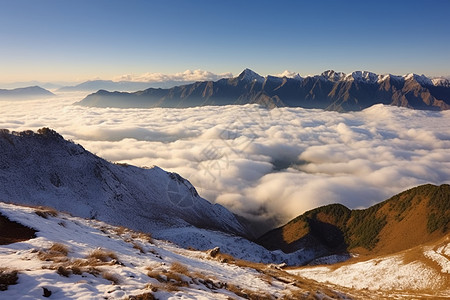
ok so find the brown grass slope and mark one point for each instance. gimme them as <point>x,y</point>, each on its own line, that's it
<point>413,217</point>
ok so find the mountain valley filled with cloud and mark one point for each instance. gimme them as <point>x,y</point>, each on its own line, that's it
<point>266,165</point>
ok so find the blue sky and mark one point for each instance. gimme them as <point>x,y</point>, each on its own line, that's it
<point>57,40</point>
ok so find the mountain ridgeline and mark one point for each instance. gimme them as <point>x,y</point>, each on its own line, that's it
<point>330,90</point>
<point>411,218</point>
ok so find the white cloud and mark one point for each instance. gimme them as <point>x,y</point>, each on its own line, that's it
<point>286,73</point>
<point>188,75</point>
<point>261,163</point>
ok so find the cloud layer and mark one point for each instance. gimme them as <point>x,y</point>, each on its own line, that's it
<point>188,75</point>
<point>263,164</point>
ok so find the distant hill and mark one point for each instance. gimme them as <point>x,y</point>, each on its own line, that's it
<point>25,93</point>
<point>330,90</point>
<point>42,84</point>
<point>409,219</point>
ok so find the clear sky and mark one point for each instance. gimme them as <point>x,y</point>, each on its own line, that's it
<point>58,40</point>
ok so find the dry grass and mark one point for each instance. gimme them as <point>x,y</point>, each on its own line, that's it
<point>225,258</point>
<point>46,212</point>
<point>248,294</point>
<point>229,259</point>
<point>56,253</point>
<point>138,247</point>
<point>146,237</point>
<point>267,278</point>
<point>7,277</point>
<point>66,267</point>
<point>179,268</point>
<point>171,288</point>
<point>80,266</point>
<point>145,296</point>
<point>114,278</point>
<point>102,255</point>
<point>177,276</point>
<point>176,279</point>
<point>76,270</point>
<point>59,248</point>
<point>155,275</point>
<point>63,271</point>
<point>120,230</point>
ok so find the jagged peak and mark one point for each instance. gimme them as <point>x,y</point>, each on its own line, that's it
<point>363,76</point>
<point>333,75</point>
<point>440,81</point>
<point>250,75</point>
<point>421,79</point>
<point>385,77</point>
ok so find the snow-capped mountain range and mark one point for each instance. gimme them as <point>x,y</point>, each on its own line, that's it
<point>330,90</point>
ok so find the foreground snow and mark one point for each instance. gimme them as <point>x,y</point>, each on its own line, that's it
<point>136,265</point>
<point>421,271</point>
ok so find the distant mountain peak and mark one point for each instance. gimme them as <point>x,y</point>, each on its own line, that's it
<point>297,77</point>
<point>363,76</point>
<point>249,75</point>
<point>421,79</point>
<point>333,75</point>
<point>29,92</point>
<point>441,81</point>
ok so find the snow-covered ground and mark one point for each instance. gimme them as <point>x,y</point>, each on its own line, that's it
<point>426,271</point>
<point>132,265</point>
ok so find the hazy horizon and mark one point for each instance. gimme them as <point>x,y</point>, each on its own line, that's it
<point>179,78</point>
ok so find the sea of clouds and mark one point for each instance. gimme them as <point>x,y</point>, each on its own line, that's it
<point>263,164</point>
<point>188,75</point>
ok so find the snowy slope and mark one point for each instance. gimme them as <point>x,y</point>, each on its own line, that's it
<point>424,271</point>
<point>132,265</point>
<point>45,169</point>
<point>249,75</point>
